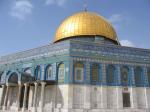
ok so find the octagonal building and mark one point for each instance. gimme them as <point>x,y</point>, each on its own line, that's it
<point>85,69</point>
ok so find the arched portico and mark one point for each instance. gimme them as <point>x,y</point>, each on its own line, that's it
<point>11,94</point>
<point>14,77</point>
<point>15,90</point>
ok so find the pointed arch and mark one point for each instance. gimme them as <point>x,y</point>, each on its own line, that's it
<point>124,70</point>
<point>28,71</point>
<point>48,72</point>
<point>78,71</point>
<point>13,77</point>
<point>95,72</point>
<point>61,72</point>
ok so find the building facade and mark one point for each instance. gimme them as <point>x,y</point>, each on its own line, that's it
<point>85,69</point>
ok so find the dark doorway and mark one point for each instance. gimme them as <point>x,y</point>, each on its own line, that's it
<point>22,96</point>
<point>126,100</point>
<point>27,100</point>
<point>13,78</point>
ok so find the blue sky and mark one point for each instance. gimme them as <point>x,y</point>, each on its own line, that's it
<point>26,24</point>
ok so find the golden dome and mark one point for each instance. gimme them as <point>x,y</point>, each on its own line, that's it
<point>85,24</point>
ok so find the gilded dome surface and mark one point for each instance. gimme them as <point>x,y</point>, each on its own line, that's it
<point>85,24</point>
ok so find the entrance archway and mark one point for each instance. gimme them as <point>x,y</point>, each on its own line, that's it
<point>15,81</point>
<point>13,78</point>
<point>12,91</point>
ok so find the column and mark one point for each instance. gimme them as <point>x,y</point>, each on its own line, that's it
<point>119,104</point>
<point>119,98</point>
<point>25,97</point>
<point>34,97</point>
<point>6,97</point>
<point>19,96</point>
<point>2,96</point>
<point>133,89</point>
<point>42,95</point>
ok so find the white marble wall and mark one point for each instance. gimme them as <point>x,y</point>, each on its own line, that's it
<point>140,94</point>
<point>80,98</point>
<point>90,97</point>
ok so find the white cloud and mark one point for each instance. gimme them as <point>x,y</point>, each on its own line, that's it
<point>117,21</point>
<point>21,9</point>
<point>115,18</point>
<point>127,43</point>
<point>56,2</point>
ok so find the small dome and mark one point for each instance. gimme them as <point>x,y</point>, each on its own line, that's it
<point>85,24</point>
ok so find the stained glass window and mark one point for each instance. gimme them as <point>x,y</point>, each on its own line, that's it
<point>95,73</point>
<point>124,75</point>
<point>78,71</point>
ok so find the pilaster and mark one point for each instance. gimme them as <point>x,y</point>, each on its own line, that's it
<point>6,98</point>
<point>42,95</point>
<point>104,73</point>
<point>25,97</point>
<point>34,97</point>
<point>19,96</point>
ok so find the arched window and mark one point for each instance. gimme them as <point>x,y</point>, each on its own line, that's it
<point>13,78</point>
<point>148,75</point>
<point>38,72</point>
<point>110,74</point>
<point>61,72</point>
<point>28,71</point>
<point>95,73</point>
<point>49,72</point>
<point>78,71</point>
<point>138,76</point>
<point>124,75</point>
